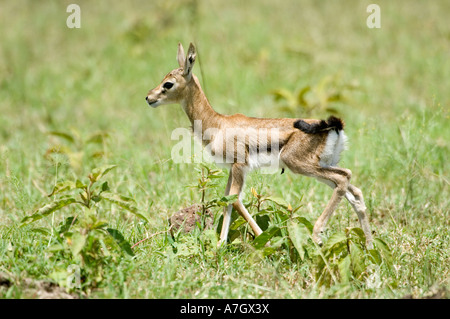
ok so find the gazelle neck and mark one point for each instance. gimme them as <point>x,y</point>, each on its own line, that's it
<point>197,107</point>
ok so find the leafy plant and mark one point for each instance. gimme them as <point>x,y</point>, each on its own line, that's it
<point>189,246</point>
<point>272,216</point>
<point>312,99</point>
<point>85,237</point>
<point>342,259</point>
<point>76,148</point>
<point>207,181</point>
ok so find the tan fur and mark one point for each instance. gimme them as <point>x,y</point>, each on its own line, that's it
<point>300,152</point>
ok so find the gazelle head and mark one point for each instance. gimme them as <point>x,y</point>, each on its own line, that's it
<point>171,89</point>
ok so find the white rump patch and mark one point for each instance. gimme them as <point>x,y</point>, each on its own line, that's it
<point>334,146</point>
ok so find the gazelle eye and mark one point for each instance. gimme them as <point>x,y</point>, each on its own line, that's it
<point>168,85</point>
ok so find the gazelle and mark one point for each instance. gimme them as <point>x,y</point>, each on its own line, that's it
<point>305,146</point>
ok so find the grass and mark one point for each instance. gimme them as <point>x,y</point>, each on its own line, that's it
<point>94,80</point>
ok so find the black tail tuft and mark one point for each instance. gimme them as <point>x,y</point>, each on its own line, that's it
<point>332,123</point>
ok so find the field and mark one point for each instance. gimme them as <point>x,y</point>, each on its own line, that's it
<point>74,121</point>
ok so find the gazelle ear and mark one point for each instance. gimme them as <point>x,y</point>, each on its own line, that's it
<point>190,60</point>
<point>180,56</point>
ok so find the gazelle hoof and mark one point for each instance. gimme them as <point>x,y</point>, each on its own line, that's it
<point>317,239</point>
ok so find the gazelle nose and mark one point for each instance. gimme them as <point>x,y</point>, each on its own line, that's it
<point>146,98</point>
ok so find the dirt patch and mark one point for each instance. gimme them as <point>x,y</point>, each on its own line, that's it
<point>35,289</point>
<point>187,218</point>
<point>436,293</point>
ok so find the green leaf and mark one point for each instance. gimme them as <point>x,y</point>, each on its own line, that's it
<point>336,97</point>
<point>41,230</point>
<point>55,247</point>
<point>63,186</point>
<point>46,210</point>
<point>66,186</point>
<point>359,232</point>
<point>376,256</point>
<point>263,221</point>
<point>80,184</point>
<point>332,110</point>
<point>233,234</point>
<point>215,176</point>
<point>83,198</point>
<point>305,222</point>
<point>99,224</point>
<point>267,251</point>
<point>123,202</point>
<point>238,223</point>
<point>96,198</point>
<point>57,149</point>
<point>224,201</point>
<point>265,236</point>
<point>301,95</point>
<point>123,244</point>
<point>105,187</point>
<point>63,135</point>
<point>229,198</point>
<point>344,269</point>
<point>64,226</point>
<point>77,243</point>
<point>337,239</point>
<point>97,138</point>
<point>298,235</point>
<point>384,250</point>
<point>357,258</point>
<point>99,172</point>
<point>279,201</point>
<point>283,94</point>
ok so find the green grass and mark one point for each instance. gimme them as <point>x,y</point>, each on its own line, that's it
<point>94,79</point>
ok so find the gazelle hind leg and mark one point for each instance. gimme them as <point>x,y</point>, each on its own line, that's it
<point>339,178</point>
<point>355,198</point>
<point>335,177</point>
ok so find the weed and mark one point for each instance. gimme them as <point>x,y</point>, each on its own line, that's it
<point>76,148</point>
<point>310,100</point>
<point>84,238</point>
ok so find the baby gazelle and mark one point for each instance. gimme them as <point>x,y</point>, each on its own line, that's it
<point>305,146</point>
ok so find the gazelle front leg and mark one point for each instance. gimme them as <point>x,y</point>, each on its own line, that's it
<point>237,177</point>
<point>226,215</point>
